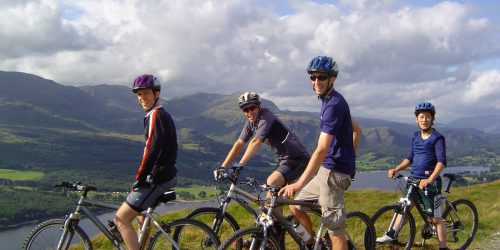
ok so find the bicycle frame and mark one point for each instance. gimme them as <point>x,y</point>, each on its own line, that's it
<point>81,209</point>
<point>277,216</point>
<point>407,201</point>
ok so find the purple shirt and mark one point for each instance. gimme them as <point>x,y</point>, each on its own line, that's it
<point>270,129</point>
<point>425,154</point>
<point>336,121</point>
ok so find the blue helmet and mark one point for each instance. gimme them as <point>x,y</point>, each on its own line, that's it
<point>425,106</point>
<point>146,81</point>
<point>323,64</point>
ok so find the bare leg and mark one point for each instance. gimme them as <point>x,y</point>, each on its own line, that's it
<point>123,220</point>
<point>339,242</point>
<point>304,219</point>
<point>276,178</point>
<point>441,231</point>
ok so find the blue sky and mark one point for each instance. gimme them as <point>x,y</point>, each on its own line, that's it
<point>391,54</point>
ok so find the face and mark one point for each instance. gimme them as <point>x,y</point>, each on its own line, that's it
<point>251,112</point>
<point>321,82</point>
<point>424,120</point>
<point>147,98</point>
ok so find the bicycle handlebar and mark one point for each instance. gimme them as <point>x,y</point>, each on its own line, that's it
<point>76,186</point>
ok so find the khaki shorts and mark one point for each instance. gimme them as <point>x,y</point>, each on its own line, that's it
<point>328,188</point>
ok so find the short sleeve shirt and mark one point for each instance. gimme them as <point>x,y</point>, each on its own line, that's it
<point>336,121</point>
<point>271,130</point>
<point>424,154</point>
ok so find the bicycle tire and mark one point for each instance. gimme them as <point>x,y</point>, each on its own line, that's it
<point>466,223</point>
<point>381,221</point>
<point>248,235</point>
<point>187,233</point>
<point>47,235</point>
<point>360,231</point>
<point>210,215</point>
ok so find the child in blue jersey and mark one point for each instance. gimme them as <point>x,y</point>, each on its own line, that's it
<point>427,158</point>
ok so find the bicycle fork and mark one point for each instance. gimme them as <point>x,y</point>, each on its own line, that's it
<point>399,218</point>
<point>68,231</point>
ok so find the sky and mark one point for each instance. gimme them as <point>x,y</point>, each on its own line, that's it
<point>391,54</point>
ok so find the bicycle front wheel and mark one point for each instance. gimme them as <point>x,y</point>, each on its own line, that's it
<point>461,220</point>
<point>360,231</point>
<point>187,233</point>
<point>223,225</point>
<point>382,220</point>
<point>250,238</point>
<point>47,235</point>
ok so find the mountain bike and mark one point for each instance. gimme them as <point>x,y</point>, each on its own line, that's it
<point>224,224</point>
<point>65,233</point>
<point>460,218</point>
<point>262,236</point>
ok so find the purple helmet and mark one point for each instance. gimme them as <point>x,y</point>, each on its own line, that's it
<point>146,81</point>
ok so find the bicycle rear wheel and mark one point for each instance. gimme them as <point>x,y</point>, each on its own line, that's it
<point>222,225</point>
<point>252,238</point>
<point>360,231</point>
<point>461,220</point>
<point>47,235</point>
<point>381,221</point>
<point>187,233</point>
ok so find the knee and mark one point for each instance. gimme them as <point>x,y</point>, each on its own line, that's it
<point>437,220</point>
<point>334,220</point>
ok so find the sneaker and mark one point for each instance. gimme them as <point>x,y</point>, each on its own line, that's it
<point>385,239</point>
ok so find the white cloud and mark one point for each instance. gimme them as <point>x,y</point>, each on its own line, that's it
<point>390,56</point>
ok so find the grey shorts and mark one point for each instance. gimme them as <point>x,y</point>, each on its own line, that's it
<point>142,198</point>
<point>292,169</point>
<point>328,188</point>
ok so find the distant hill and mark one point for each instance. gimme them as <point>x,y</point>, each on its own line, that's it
<point>48,126</point>
<point>487,123</point>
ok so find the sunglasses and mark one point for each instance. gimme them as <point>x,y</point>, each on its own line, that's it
<point>320,77</point>
<point>251,108</point>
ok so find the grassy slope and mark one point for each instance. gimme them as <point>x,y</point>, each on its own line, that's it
<point>484,196</point>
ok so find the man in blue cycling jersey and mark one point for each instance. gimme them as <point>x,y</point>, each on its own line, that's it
<point>328,174</point>
<point>427,159</point>
<point>157,171</point>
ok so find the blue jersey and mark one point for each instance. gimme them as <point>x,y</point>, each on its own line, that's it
<point>336,121</point>
<point>425,154</point>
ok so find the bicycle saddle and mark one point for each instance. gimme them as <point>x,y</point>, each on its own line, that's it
<point>451,176</point>
<point>166,197</point>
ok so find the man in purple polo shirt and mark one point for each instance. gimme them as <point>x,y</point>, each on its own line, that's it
<point>332,164</point>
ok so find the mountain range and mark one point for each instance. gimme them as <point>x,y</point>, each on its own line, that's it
<point>52,127</point>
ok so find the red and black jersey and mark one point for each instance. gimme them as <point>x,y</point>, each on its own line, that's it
<point>160,152</point>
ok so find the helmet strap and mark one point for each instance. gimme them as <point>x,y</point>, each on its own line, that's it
<point>328,90</point>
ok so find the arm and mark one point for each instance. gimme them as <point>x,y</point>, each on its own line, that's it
<point>402,166</point>
<point>252,148</point>
<point>437,171</point>
<point>313,166</point>
<point>356,134</point>
<point>235,150</point>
